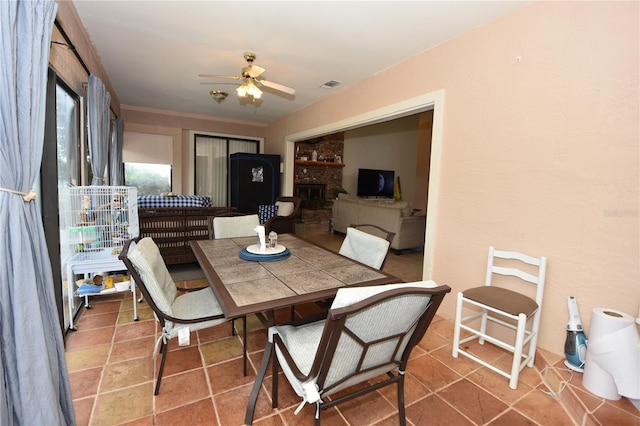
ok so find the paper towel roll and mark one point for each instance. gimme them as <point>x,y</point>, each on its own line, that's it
<point>612,366</point>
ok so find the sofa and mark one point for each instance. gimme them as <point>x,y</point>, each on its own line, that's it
<point>394,216</point>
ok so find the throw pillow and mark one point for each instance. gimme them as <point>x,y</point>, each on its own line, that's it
<point>265,211</point>
<point>285,208</point>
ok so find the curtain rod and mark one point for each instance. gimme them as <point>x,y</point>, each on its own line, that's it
<point>71,47</point>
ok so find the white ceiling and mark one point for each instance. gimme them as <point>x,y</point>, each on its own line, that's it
<point>153,51</point>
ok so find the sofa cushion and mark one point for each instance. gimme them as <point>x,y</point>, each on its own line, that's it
<point>265,211</point>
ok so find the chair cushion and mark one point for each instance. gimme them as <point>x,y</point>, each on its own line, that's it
<point>347,296</point>
<point>265,211</point>
<point>195,304</point>
<point>503,299</point>
<point>235,226</point>
<point>302,343</point>
<point>285,208</point>
<point>146,258</point>
<point>365,248</point>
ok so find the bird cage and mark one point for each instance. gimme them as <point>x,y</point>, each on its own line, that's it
<point>97,219</point>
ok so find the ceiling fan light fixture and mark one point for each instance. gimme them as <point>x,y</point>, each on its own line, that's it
<point>218,95</point>
<point>249,89</point>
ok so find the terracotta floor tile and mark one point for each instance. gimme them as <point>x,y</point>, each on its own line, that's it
<point>99,306</point>
<point>433,411</point>
<point>413,391</point>
<point>126,316</point>
<point>123,405</point>
<point>181,389</point>
<point>228,375</point>
<point>256,340</point>
<point>512,418</point>
<point>85,382</point>
<point>211,334</point>
<point>287,397</point>
<point>552,414</point>
<point>432,341</point>
<point>231,406</point>
<point>366,409</point>
<point>143,421</point>
<point>90,322</point>
<point>472,401</point>
<point>83,358</point>
<point>91,337</point>
<point>182,359</point>
<point>442,327</point>
<point>221,350</point>
<point>131,349</point>
<point>329,417</point>
<point>607,414</point>
<point>199,413</point>
<point>83,408</point>
<point>135,330</point>
<point>274,420</point>
<point>431,372</point>
<point>462,365</point>
<point>497,385</point>
<point>127,373</point>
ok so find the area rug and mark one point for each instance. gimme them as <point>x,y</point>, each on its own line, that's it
<point>186,272</point>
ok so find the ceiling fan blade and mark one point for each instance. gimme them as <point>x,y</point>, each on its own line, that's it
<point>255,71</point>
<point>277,86</point>
<point>219,76</point>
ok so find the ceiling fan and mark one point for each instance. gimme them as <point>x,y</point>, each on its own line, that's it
<point>250,77</point>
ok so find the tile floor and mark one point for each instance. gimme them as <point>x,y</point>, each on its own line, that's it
<point>111,370</point>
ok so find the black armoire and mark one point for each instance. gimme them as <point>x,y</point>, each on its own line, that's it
<point>254,179</point>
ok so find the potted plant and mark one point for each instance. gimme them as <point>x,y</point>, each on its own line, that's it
<point>337,191</point>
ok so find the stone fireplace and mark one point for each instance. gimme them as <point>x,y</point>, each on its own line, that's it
<point>314,181</point>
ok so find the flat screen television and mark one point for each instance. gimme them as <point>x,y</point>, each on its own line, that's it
<point>375,183</point>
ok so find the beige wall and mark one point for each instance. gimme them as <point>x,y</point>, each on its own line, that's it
<point>540,150</point>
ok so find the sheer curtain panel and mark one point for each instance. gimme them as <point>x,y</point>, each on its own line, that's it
<point>98,101</point>
<point>34,383</point>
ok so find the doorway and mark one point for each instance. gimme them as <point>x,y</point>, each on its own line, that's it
<point>430,101</point>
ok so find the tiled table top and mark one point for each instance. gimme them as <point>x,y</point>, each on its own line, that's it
<point>310,273</point>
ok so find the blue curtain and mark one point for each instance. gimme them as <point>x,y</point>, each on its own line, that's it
<point>116,153</point>
<point>34,384</point>
<point>98,101</point>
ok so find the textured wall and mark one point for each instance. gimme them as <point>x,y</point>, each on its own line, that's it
<point>540,149</point>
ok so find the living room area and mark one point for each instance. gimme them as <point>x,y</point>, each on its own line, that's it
<point>331,170</point>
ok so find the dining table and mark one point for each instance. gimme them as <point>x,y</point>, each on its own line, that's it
<point>305,272</point>
<point>247,281</point>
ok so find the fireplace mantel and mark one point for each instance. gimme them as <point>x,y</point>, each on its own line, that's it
<point>318,163</point>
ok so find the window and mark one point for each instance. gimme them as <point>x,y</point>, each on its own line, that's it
<point>150,179</point>
<point>211,163</point>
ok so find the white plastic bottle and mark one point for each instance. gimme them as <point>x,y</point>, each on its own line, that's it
<point>314,155</point>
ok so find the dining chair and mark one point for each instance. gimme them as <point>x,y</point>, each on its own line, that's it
<point>193,310</point>
<point>366,340</point>
<point>211,218</point>
<point>499,303</point>
<point>235,226</point>
<point>365,247</point>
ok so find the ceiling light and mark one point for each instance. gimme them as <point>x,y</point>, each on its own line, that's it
<point>249,89</point>
<point>218,95</point>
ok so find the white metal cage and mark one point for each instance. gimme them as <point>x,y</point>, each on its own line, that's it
<point>95,219</point>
